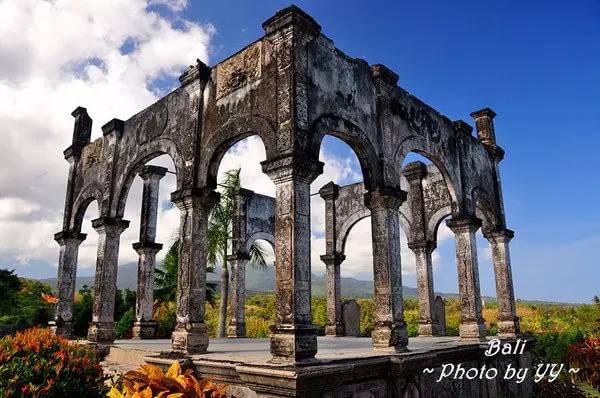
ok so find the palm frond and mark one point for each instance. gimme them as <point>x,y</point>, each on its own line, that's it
<point>258,256</point>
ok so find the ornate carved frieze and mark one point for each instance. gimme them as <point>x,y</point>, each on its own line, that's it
<point>240,70</point>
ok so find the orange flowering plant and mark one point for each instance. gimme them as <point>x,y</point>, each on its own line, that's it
<point>585,355</point>
<point>36,363</point>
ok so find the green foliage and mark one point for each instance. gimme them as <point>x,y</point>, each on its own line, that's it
<point>585,355</point>
<point>366,316</point>
<point>553,347</point>
<point>166,319</point>
<point>123,327</point>
<point>82,311</point>
<point>10,285</point>
<point>22,302</point>
<point>319,314</point>
<point>36,363</point>
<point>124,301</point>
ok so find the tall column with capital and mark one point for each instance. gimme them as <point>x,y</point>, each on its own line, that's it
<point>191,334</point>
<point>389,328</point>
<point>471,319</point>
<point>237,322</point>
<point>422,247</point>
<point>508,322</point>
<point>294,337</point>
<point>67,273</point>
<point>144,326</point>
<point>332,260</point>
<point>102,329</point>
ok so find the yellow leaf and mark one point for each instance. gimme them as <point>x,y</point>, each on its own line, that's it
<point>153,372</point>
<point>174,370</point>
<point>114,393</point>
<point>147,393</point>
<point>176,395</point>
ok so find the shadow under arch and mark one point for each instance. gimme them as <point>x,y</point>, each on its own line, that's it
<point>229,134</point>
<point>148,152</point>
<point>354,137</point>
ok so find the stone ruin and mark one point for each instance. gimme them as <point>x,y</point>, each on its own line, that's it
<point>291,87</point>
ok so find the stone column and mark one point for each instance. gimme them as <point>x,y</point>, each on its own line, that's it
<point>335,322</point>
<point>471,320</point>
<point>67,273</point>
<point>144,326</point>
<point>508,322</point>
<point>389,328</point>
<point>294,337</point>
<point>237,322</point>
<point>102,329</point>
<point>191,334</point>
<point>428,323</point>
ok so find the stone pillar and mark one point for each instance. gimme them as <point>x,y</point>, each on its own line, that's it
<point>429,325</point>
<point>67,273</point>
<point>471,320</point>
<point>508,322</point>
<point>294,337</point>
<point>335,322</point>
<point>191,334</point>
<point>144,326</point>
<point>389,328</point>
<point>102,329</point>
<point>237,322</point>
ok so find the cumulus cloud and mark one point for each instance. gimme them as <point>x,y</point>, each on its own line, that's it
<point>57,55</point>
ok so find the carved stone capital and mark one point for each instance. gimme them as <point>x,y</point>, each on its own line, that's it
<point>415,171</point>
<point>387,198</point>
<point>427,245</point>
<point>110,225</point>
<point>333,259</point>
<point>290,168</point>
<point>147,172</point>
<point>186,198</point>
<point>147,247</point>
<point>69,238</point>
<point>501,236</point>
<point>464,223</point>
<point>329,191</point>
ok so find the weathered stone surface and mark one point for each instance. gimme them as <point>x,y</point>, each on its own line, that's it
<point>292,87</point>
<point>351,315</point>
<point>439,315</point>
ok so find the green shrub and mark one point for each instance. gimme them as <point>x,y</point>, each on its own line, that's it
<point>123,327</point>
<point>366,316</point>
<point>554,347</point>
<point>36,363</point>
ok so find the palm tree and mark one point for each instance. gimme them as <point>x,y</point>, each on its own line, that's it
<point>219,235</point>
<point>165,277</point>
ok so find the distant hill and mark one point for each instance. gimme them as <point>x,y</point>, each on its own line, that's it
<point>256,281</point>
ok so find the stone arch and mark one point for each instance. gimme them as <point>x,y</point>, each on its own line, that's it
<point>443,164</point>
<point>92,192</point>
<point>148,152</point>
<point>354,137</point>
<point>230,133</point>
<point>260,235</point>
<point>435,220</point>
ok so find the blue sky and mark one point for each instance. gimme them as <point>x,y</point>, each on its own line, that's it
<point>536,63</point>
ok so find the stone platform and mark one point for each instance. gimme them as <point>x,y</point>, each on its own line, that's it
<point>346,367</point>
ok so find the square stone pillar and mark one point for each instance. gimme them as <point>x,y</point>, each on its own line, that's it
<point>335,322</point>
<point>67,274</point>
<point>428,324</point>
<point>102,329</point>
<point>237,321</point>
<point>471,319</point>
<point>191,334</point>
<point>389,331</point>
<point>508,322</point>
<point>293,337</point>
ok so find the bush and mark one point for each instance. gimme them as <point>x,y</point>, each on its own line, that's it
<point>554,347</point>
<point>123,327</point>
<point>37,363</point>
<point>585,355</point>
<point>165,315</point>
<point>150,381</point>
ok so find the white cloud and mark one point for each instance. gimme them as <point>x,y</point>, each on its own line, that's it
<point>57,55</point>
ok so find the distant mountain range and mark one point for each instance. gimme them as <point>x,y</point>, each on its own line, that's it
<point>256,281</point>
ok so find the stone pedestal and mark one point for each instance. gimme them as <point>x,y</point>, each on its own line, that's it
<point>102,329</point>
<point>389,331</point>
<point>191,334</point>
<point>471,321</point>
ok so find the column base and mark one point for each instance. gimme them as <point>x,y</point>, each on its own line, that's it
<point>430,329</point>
<point>61,328</point>
<point>509,328</point>
<point>190,340</point>
<point>292,344</point>
<point>144,330</point>
<point>101,332</point>
<point>236,330</point>
<point>472,330</point>
<point>336,330</point>
<point>390,336</point>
